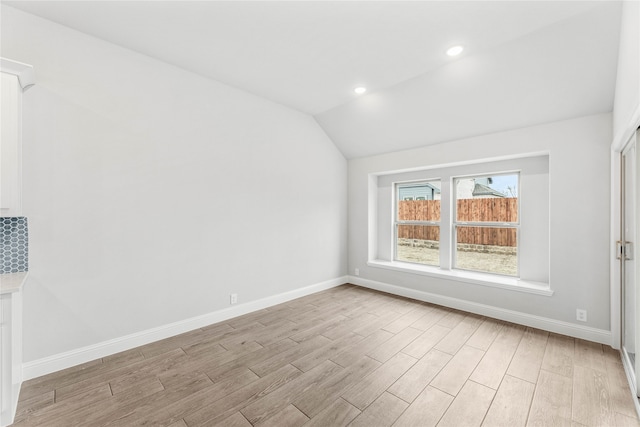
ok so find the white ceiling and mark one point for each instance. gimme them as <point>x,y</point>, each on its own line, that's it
<point>526,62</point>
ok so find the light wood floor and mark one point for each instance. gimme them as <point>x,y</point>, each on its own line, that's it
<point>344,356</point>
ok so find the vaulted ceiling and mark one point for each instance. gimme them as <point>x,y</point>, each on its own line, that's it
<point>524,63</point>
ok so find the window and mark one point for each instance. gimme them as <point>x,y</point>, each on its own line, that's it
<point>417,224</point>
<point>486,225</point>
<point>473,226</point>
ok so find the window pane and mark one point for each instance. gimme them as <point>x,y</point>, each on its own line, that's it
<point>419,244</point>
<point>487,199</point>
<point>487,249</point>
<point>419,201</point>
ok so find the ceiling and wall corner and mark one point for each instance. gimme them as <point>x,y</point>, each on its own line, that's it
<point>525,62</point>
<point>562,71</point>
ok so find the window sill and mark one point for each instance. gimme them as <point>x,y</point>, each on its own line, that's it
<point>494,281</point>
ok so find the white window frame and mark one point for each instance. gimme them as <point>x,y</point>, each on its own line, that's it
<point>534,236</point>
<point>484,224</point>
<point>397,222</point>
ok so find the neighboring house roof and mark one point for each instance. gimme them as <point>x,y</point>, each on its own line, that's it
<point>483,190</point>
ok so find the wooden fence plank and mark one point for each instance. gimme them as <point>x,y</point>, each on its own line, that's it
<point>490,209</point>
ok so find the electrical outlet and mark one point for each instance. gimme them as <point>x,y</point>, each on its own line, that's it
<point>357,271</point>
<point>581,315</point>
<point>234,298</point>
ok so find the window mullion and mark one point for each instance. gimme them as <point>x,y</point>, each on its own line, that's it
<point>446,229</point>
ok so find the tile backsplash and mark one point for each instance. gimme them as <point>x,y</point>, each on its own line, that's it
<point>14,245</point>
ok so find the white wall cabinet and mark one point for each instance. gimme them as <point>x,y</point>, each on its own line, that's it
<point>16,77</point>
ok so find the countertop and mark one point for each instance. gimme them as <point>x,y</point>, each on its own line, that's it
<point>12,282</point>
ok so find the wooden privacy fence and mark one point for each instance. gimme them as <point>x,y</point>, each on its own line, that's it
<point>491,209</point>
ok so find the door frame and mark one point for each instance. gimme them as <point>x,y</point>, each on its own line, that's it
<point>629,181</point>
<point>619,142</point>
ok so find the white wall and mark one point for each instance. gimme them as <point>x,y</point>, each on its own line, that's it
<point>579,220</point>
<point>153,193</point>
<point>626,107</point>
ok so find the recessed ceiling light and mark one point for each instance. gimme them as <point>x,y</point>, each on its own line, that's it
<point>360,90</point>
<point>455,50</point>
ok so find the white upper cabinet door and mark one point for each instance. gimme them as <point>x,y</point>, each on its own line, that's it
<point>10,147</point>
<point>16,77</point>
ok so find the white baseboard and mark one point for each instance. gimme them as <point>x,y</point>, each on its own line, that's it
<point>78,356</point>
<point>75,357</point>
<point>565,328</point>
